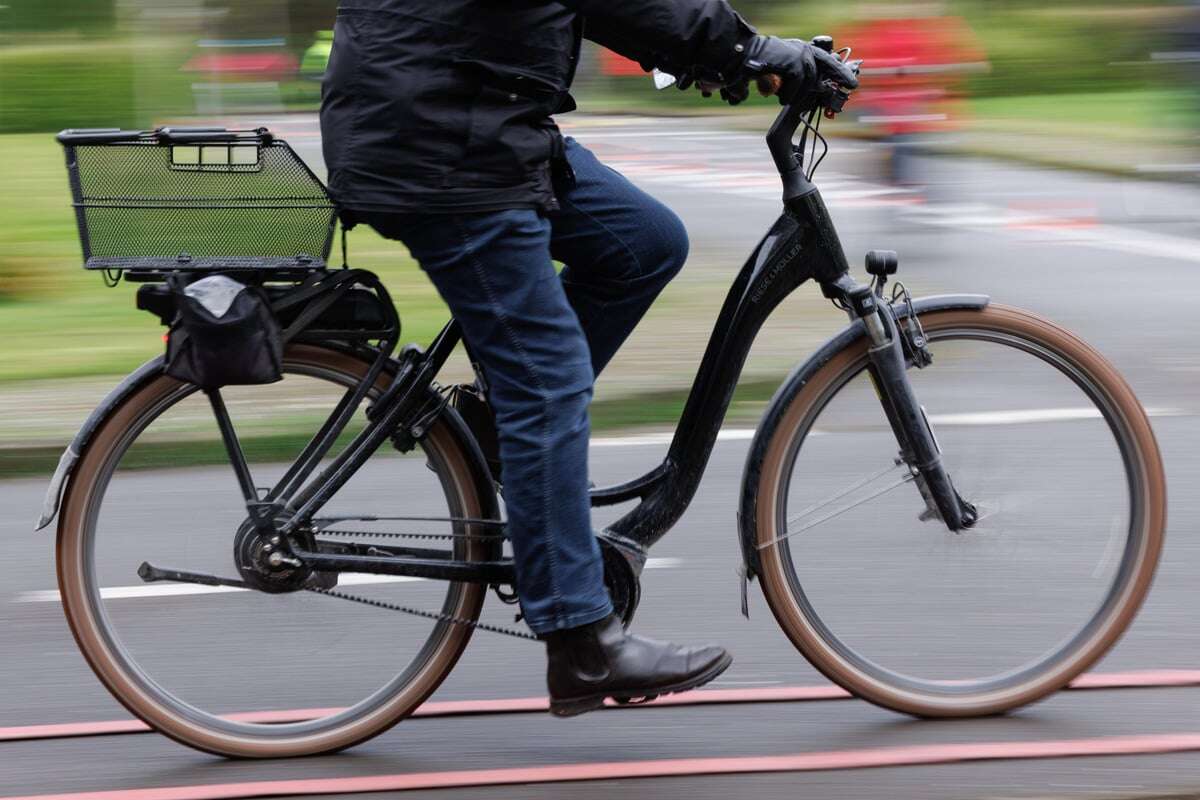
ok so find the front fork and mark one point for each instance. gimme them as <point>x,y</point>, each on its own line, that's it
<point>891,350</point>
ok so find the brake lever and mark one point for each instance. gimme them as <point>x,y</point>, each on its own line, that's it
<point>836,95</point>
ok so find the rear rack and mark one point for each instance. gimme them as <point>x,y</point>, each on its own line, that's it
<point>179,199</point>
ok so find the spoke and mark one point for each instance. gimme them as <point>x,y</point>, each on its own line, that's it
<point>906,479</point>
<point>834,498</point>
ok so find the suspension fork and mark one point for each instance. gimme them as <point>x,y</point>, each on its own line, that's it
<point>888,370</point>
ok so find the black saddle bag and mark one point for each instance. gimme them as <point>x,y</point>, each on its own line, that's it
<point>223,333</point>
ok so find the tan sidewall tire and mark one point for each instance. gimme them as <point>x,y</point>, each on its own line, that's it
<point>1147,464</point>
<point>83,623</point>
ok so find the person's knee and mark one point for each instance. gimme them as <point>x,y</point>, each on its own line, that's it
<point>665,244</point>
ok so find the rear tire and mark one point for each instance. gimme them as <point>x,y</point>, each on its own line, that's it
<point>451,453</point>
<point>789,422</point>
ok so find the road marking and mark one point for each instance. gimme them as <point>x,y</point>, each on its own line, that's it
<point>1024,416</point>
<point>843,191</point>
<point>177,589</point>
<point>665,437</point>
<point>1143,679</point>
<point>1033,415</point>
<point>821,761</point>
<point>1117,238</point>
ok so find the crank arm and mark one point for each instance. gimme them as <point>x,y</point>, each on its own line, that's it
<point>152,574</point>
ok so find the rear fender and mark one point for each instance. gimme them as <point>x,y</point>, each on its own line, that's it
<point>748,507</point>
<point>66,464</point>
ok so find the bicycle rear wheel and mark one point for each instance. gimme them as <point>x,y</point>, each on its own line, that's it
<point>1043,435</point>
<point>247,673</point>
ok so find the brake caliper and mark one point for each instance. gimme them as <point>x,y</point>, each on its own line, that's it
<point>912,335</point>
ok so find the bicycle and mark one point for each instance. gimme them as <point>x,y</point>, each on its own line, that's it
<point>1068,557</point>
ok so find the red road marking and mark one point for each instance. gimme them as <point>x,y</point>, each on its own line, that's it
<point>918,755</point>
<point>525,705</point>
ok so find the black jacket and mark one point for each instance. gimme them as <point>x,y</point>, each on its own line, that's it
<point>444,105</point>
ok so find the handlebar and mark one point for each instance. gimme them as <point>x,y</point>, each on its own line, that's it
<point>830,99</point>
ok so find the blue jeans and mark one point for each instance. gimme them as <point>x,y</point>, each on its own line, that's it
<point>541,338</point>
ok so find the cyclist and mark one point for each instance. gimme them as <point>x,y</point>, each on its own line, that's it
<point>438,133</point>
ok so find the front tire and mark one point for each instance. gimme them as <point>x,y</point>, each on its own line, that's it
<point>844,645</point>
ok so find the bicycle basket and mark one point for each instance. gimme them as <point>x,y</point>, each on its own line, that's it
<point>151,203</point>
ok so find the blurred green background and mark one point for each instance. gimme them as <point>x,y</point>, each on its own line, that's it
<point>1058,74</point>
<point>122,62</point>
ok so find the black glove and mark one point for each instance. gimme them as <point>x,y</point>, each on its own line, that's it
<point>802,66</point>
<point>732,92</point>
<point>736,92</point>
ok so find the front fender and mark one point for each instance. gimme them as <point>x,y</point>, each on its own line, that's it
<point>66,464</point>
<point>748,507</point>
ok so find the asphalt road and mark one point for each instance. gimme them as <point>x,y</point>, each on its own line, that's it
<point>1110,260</point>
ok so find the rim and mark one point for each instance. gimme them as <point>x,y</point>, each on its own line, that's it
<point>460,600</point>
<point>1057,659</point>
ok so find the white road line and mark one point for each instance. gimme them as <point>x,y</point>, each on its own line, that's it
<point>178,589</point>
<point>1012,417</point>
<point>1034,415</point>
<point>726,435</point>
<point>1015,417</point>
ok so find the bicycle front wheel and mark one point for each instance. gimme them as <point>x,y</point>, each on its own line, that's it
<point>249,673</point>
<point>1037,430</point>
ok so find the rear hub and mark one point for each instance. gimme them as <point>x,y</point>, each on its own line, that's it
<point>265,563</point>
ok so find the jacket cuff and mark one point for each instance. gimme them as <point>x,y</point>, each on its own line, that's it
<point>746,33</point>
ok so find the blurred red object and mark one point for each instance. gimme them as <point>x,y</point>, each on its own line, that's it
<point>613,64</point>
<point>914,70</point>
<point>274,65</point>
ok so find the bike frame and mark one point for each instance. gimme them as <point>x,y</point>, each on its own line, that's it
<point>802,245</point>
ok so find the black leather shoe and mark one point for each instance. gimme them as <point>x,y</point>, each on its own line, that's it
<point>592,662</point>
